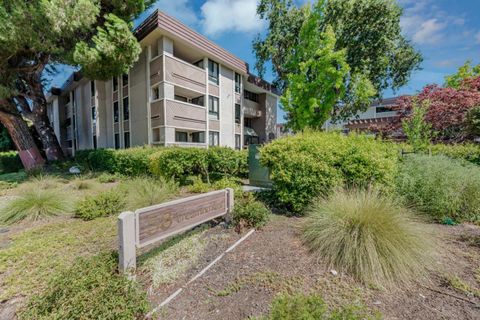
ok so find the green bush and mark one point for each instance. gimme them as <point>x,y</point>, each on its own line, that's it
<point>249,212</point>
<point>101,205</point>
<point>90,289</point>
<point>312,307</point>
<point>369,236</point>
<point>34,204</point>
<point>10,162</point>
<point>314,163</point>
<point>441,187</point>
<point>468,151</point>
<point>108,177</point>
<point>209,164</point>
<point>96,160</point>
<point>144,192</point>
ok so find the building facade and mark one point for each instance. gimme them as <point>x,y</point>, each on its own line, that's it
<point>184,90</point>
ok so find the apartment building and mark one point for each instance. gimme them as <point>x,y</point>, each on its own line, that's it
<point>184,90</point>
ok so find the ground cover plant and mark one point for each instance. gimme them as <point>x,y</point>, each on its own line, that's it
<point>90,289</point>
<point>369,236</point>
<point>34,204</point>
<point>101,205</point>
<point>444,188</point>
<point>249,212</point>
<point>315,163</point>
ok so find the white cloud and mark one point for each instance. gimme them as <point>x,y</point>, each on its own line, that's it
<point>429,32</point>
<point>179,9</point>
<point>220,16</point>
<point>477,37</point>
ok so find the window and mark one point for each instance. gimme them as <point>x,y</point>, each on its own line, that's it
<point>213,108</point>
<point>126,139</point>
<point>237,142</point>
<point>381,109</point>
<point>94,113</point>
<point>116,113</point>
<point>67,99</point>
<point>95,142</point>
<point>126,109</point>
<point>125,79</point>
<point>213,138</point>
<point>92,88</point>
<point>155,93</point>
<point>117,141</point>
<point>199,101</point>
<point>199,63</point>
<point>198,137</point>
<point>213,72</point>
<point>115,84</point>
<point>247,122</point>
<point>238,114</point>
<point>250,96</point>
<point>181,136</point>
<point>238,82</point>
<point>180,98</point>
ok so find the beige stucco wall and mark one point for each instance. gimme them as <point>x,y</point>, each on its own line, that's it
<point>138,103</point>
<point>227,107</point>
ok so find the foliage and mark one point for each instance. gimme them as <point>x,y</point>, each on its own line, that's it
<point>108,177</point>
<point>249,212</point>
<point>467,151</point>
<point>312,306</point>
<point>418,132</point>
<point>45,250</point>
<point>464,72</point>
<point>101,205</point>
<point>472,121</point>
<point>441,187</point>
<point>314,163</point>
<point>91,288</point>
<point>10,162</point>
<point>369,236</point>
<point>385,57</point>
<point>6,143</point>
<point>209,164</point>
<point>34,204</point>
<point>97,160</point>
<point>318,80</point>
<point>144,192</point>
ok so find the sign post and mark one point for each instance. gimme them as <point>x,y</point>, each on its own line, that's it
<point>152,224</point>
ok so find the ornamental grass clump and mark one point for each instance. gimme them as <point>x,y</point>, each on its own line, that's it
<point>144,192</point>
<point>369,236</point>
<point>34,204</point>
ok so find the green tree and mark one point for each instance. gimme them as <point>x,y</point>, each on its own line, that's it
<point>320,77</point>
<point>369,31</point>
<point>36,35</point>
<point>418,131</point>
<point>467,71</point>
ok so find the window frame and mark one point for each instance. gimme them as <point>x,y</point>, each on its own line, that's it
<point>115,84</point>
<point>212,114</point>
<point>116,112</point>
<point>238,84</point>
<point>125,79</point>
<point>126,142</point>
<point>213,72</point>
<point>238,113</point>
<point>179,134</point>
<point>126,111</point>
<point>213,138</point>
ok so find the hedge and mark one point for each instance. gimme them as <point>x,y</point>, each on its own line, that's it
<point>468,151</point>
<point>133,161</point>
<point>210,164</point>
<point>315,163</point>
<point>10,162</point>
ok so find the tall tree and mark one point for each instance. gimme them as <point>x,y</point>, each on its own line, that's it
<point>92,34</point>
<point>369,31</point>
<point>320,75</point>
<point>467,71</point>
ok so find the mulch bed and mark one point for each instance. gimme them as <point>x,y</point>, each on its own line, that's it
<point>273,260</point>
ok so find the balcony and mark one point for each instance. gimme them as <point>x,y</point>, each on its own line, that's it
<point>184,74</point>
<point>185,115</point>
<point>251,109</point>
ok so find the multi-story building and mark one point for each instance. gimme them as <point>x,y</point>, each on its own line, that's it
<point>184,90</point>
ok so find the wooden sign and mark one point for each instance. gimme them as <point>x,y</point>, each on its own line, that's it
<point>152,224</point>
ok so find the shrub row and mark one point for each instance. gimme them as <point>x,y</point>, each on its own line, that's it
<point>469,151</point>
<point>133,161</point>
<point>315,163</point>
<point>10,162</point>
<point>445,188</point>
<point>210,164</point>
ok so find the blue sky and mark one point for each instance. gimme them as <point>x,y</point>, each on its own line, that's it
<point>446,32</point>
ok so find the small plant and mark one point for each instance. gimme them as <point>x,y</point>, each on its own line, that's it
<point>82,184</point>
<point>249,212</point>
<point>44,182</point>
<point>145,192</point>
<point>104,204</point>
<point>91,289</point>
<point>198,186</point>
<point>300,306</point>
<point>417,130</point>
<point>34,204</point>
<point>108,178</point>
<point>369,236</point>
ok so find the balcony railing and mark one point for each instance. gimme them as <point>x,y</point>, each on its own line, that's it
<point>185,74</point>
<point>185,115</point>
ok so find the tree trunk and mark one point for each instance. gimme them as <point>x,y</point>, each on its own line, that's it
<point>50,143</point>
<point>27,149</point>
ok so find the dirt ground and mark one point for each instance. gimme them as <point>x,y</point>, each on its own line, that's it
<point>273,260</point>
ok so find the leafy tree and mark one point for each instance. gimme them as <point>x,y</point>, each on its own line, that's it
<point>473,121</point>
<point>467,71</point>
<point>417,130</point>
<point>369,31</point>
<point>36,35</point>
<point>321,75</point>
